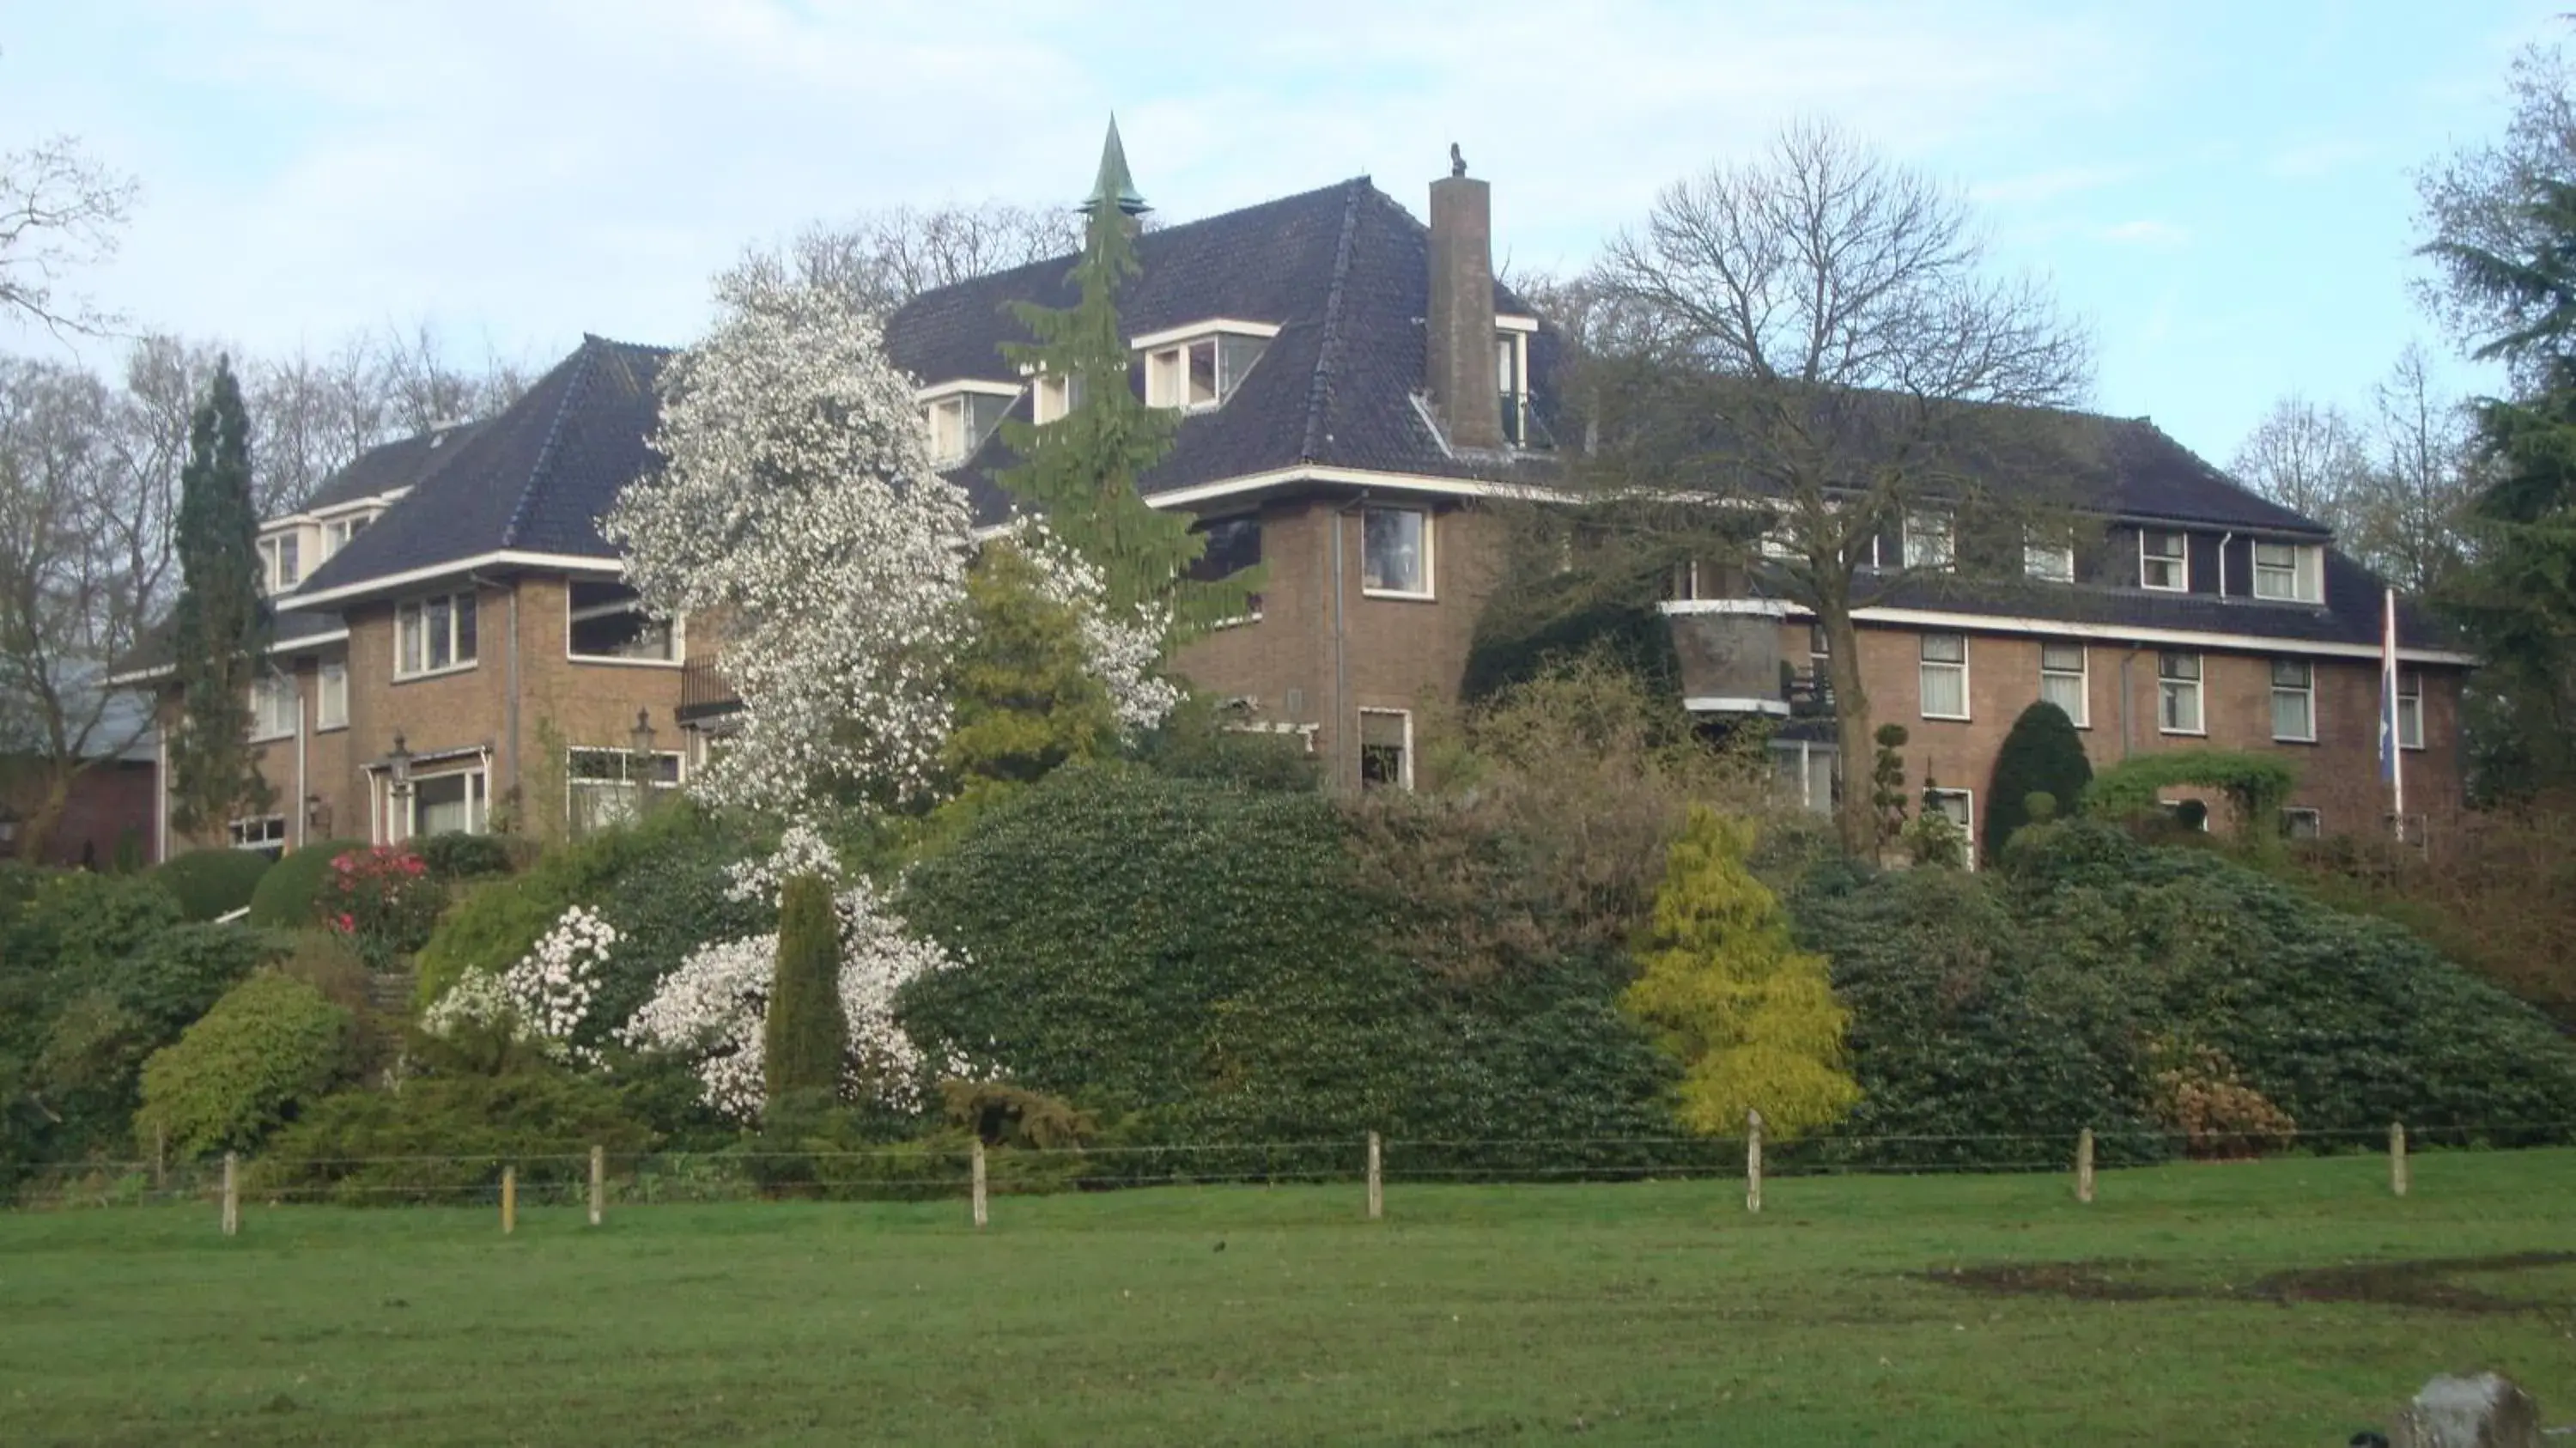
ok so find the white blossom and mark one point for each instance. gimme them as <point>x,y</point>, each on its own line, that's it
<point>714,1006</point>
<point>543,997</point>
<point>797,500</point>
<point>1125,655</point>
<point>802,850</point>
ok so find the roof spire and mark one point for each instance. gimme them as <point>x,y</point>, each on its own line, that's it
<point>1113,186</point>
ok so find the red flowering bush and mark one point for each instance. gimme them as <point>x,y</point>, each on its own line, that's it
<point>383,900</point>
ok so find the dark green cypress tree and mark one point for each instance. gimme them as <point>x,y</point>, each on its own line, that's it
<point>805,1034</point>
<point>1079,471</point>
<point>221,624</point>
<point>2042,755</point>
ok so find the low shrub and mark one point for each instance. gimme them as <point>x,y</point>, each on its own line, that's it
<point>464,857</point>
<point>210,884</point>
<point>270,1045</point>
<point>383,900</point>
<point>442,1138</point>
<point>289,895</point>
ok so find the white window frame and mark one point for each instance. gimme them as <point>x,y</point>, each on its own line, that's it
<point>575,785</point>
<point>273,551</point>
<point>1925,664</point>
<point>478,799</point>
<point>1932,540</point>
<point>331,695</point>
<point>2048,562</point>
<point>2172,685</point>
<point>2306,691</point>
<point>2305,573</point>
<point>1967,827</point>
<point>1511,377</point>
<point>265,687</point>
<point>1052,397</point>
<point>259,833</point>
<point>957,398</point>
<point>1167,361</point>
<point>1430,558</point>
<point>2316,821</point>
<point>675,633</point>
<point>2180,563</point>
<point>1404,771</point>
<point>2082,674</point>
<point>2410,708</point>
<point>337,532</point>
<point>457,661</point>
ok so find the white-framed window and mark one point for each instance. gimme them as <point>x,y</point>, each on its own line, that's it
<point>605,623</point>
<point>1511,383</point>
<point>263,833</point>
<point>1051,397</point>
<point>2302,823</point>
<point>960,420</point>
<point>2050,557</point>
<point>2410,709</point>
<point>2178,694</point>
<point>456,802</point>
<point>434,634</point>
<point>2164,561</point>
<point>281,563</point>
<point>331,695</point>
<point>1386,749</point>
<point>1945,676</point>
<point>273,713</point>
<point>1195,374</point>
<point>1931,540</point>
<point>1775,543</point>
<point>1395,552</point>
<point>2064,680</point>
<point>2294,701</point>
<point>601,786</point>
<point>2289,572</point>
<point>1960,807</point>
<point>338,531</point>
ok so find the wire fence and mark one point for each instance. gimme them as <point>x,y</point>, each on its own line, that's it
<point>950,1170</point>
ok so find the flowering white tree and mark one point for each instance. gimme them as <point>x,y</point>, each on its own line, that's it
<point>544,998</point>
<point>797,500</point>
<point>1125,654</point>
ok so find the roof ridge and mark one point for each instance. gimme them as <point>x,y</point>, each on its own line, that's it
<point>582,360</point>
<point>1328,351</point>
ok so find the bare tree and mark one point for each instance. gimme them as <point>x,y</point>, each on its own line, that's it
<point>2408,518</point>
<point>315,412</point>
<point>85,564</point>
<point>886,258</point>
<point>59,210</point>
<point>2306,456</point>
<point>1815,338</point>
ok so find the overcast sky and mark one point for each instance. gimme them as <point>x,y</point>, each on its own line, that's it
<point>2221,190</point>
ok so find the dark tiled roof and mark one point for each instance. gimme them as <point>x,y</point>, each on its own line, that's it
<point>290,628</point>
<point>2154,477</point>
<point>400,464</point>
<point>1343,272</point>
<point>535,478</point>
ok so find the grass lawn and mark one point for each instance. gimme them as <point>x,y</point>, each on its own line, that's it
<point>1649,1313</point>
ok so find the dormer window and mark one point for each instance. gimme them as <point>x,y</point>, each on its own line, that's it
<point>1931,540</point>
<point>1052,397</point>
<point>337,532</point>
<point>961,415</point>
<point>281,562</point>
<point>2164,561</point>
<point>1511,375</point>
<point>1198,367</point>
<point>2289,572</point>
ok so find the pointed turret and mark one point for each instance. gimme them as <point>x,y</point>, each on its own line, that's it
<point>1114,187</point>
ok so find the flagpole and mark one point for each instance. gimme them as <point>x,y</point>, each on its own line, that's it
<point>2396,735</point>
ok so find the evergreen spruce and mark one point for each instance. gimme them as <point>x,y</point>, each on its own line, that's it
<point>2042,755</point>
<point>221,624</point>
<point>806,1032</point>
<point>1079,472</point>
<point>1752,1018</point>
<point>1025,696</point>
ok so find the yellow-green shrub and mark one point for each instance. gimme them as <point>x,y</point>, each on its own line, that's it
<point>269,1045</point>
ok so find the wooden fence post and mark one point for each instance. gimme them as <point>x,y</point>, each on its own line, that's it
<point>979,1184</point>
<point>232,1194</point>
<point>2397,1176</point>
<point>1376,1183</point>
<point>1753,1161</point>
<point>598,1183</point>
<point>509,1200</point>
<point>2084,1166</point>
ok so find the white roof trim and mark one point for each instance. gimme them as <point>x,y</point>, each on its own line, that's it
<point>1506,322</point>
<point>329,511</point>
<point>1208,328</point>
<point>503,558</point>
<point>2102,632</point>
<point>1357,478</point>
<point>1724,704</point>
<point>951,388</point>
<point>296,645</point>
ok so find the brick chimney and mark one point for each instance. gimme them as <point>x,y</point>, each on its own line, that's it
<point>1466,393</point>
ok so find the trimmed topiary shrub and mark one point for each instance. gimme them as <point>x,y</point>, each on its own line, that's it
<point>2042,755</point>
<point>805,1033</point>
<point>268,1046</point>
<point>289,895</point>
<point>212,883</point>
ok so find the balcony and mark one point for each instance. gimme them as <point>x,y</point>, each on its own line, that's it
<point>704,693</point>
<point>1809,693</point>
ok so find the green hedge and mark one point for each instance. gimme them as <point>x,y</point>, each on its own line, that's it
<point>1199,963</point>
<point>444,1138</point>
<point>210,884</point>
<point>268,1046</point>
<point>286,894</point>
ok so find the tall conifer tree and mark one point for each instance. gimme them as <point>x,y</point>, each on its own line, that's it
<point>1079,471</point>
<point>222,620</point>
